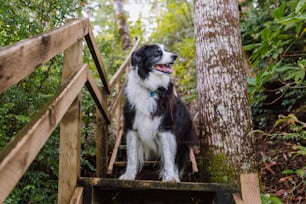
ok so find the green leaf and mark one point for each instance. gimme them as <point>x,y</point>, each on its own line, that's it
<point>270,199</point>
<point>293,19</point>
<point>288,171</point>
<point>300,7</point>
<point>265,34</point>
<point>22,118</point>
<point>301,172</point>
<point>251,46</point>
<point>275,200</point>
<point>279,12</point>
<point>295,73</point>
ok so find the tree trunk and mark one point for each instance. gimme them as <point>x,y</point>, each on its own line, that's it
<point>225,116</point>
<point>122,24</point>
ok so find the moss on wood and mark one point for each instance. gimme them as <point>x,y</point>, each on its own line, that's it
<point>215,168</point>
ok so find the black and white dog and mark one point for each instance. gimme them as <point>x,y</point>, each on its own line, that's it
<point>156,122</point>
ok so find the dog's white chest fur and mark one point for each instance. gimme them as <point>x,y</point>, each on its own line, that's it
<point>147,128</point>
<point>145,105</point>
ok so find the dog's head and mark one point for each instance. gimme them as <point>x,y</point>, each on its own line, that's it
<point>153,58</point>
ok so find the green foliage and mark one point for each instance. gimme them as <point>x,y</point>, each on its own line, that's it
<point>22,19</point>
<point>175,30</point>
<point>270,199</point>
<point>273,35</point>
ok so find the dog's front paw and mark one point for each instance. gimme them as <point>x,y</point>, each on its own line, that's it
<point>171,178</point>
<point>127,176</point>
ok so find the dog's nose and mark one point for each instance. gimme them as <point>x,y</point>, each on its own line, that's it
<point>174,56</point>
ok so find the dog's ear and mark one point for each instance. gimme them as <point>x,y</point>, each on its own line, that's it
<point>134,59</point>
<point>137,56</point>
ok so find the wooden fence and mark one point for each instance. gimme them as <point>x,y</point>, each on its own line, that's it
<point>20,60</point>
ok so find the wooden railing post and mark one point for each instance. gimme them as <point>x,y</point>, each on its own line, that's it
<point>101,143</point>
<point>70,140</point>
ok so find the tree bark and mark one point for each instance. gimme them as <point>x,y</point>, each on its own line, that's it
<point>122,24</point>
<point>225,116</point>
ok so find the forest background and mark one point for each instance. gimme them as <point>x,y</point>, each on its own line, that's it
<point>273,36</point>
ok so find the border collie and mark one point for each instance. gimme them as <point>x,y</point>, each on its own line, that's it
<point>156,122</point>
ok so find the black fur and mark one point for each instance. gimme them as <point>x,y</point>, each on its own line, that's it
<point>175,116</point>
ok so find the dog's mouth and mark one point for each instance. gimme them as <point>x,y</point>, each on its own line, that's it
<point>165,68</point>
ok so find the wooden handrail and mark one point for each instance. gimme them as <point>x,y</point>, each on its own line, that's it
<point>20,60</point>
<point>22,150</point>
<point>95,53</point>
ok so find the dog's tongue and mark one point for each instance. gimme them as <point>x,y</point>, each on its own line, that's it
<point>163,68</point>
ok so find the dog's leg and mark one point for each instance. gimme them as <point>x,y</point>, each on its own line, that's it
<point>132,156</point>
<point>168,143</point>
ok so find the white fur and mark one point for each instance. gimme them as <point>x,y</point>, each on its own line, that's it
<point>167,56</point>
<point>146,140</point>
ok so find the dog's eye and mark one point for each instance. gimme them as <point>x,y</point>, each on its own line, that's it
<point>158,52</point>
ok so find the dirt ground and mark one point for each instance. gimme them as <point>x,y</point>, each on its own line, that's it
<point>282,172</point>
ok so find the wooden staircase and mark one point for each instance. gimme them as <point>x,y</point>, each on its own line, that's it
<point>148,189</point>
<point>104,190</point>
<point>20,60</point>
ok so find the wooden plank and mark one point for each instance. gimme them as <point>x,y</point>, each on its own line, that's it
<point>156,185</point>
<point>95,53</point>
<point>193,161</point>
<point>77,197</point>
<point>21,59</point>
<point>97,96</point>
<point>22,150</point>
<point>250,191</point>
<point>250,188</point>
<point>114,154</point>
<point>70,138</point>
<point>237,198</point>
<point>145,163</point>
<point>116,77</point>
<point>101,145</point>
<point>116,101</point>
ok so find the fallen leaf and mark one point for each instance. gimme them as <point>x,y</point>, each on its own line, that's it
<point>283,179</point>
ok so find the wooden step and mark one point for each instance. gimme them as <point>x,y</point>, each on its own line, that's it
<point>146,163</point>
<point>104,190</point>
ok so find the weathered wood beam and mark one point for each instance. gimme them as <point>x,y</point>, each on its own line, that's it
<point>22,150</point>
<point>116,101</point>
<point>250,192</point>
<point>95,53</point>
<point>155,185</point>
<point>77,197</point>
<point>97,96</point>
<point>114,154</point>
<point>21,59</point>
<point>193,160</point>
<point>70,129</point>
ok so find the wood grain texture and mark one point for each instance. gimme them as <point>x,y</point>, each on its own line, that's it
<point>155,185</point>
<point>22,150</point>
<point>193,161</point>
<point>70,139</point>
<point>250,188</point>
<point>21,59</point>
<point>101,145</point>
<point>96,55</point>
<point>114,153</point>
<point>250,192</point>
<point>77,197</point>
<point>98,97</point>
